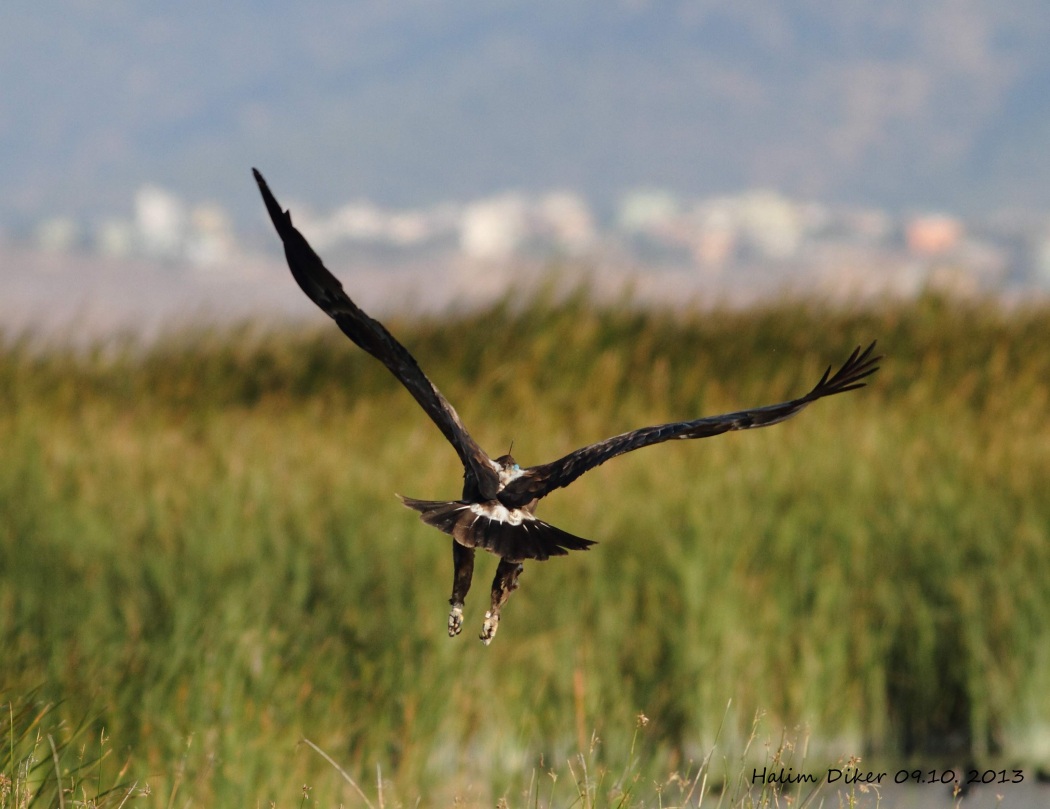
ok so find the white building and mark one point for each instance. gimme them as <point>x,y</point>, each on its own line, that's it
<point>210,240</point>
<point>494,228</point>
<point>161,221</point>
<point>565,219</point>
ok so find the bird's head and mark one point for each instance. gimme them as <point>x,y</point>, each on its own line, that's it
<point>508,464</point>
<point>508,468</point>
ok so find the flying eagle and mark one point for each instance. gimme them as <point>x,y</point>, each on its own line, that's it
<point>498,509</point>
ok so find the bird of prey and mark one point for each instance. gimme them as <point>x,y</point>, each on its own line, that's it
<point>497,511</point>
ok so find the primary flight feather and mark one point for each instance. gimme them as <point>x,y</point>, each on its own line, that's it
<point>497,510</point>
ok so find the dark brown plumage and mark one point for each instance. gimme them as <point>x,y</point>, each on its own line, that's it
<point>497,510</point>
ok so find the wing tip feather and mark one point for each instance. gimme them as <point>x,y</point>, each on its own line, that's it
<point>858,366</point>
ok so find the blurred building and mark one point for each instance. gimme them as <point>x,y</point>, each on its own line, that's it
<point>58,234</point>
<point>210,238</point>
<point>114,238</point>
<point>647,211</point>
<point>494,228</point>
<point>565,220</point>
<point>160,222</point>
<point>771,224</point>
<point>933,234</point>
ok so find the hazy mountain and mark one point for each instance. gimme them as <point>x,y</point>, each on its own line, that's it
<point>896,102</point>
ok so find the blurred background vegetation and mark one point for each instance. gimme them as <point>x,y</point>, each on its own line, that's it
<point>201,551</point>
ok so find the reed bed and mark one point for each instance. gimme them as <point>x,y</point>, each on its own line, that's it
<point>201,552</point>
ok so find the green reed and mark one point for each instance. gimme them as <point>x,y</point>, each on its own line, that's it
<point>200,543</point>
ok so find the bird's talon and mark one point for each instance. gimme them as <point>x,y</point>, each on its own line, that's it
<point>488,629</point>
<point>455,621</point>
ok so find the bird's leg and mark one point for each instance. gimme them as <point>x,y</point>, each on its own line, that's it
<point>503,585</point>
<point>463,567</point>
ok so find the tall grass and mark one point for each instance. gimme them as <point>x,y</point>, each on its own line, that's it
<point>199,540</point>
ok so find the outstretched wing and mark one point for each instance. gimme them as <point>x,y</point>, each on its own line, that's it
<point>324,289</point>
<point>538,481</point>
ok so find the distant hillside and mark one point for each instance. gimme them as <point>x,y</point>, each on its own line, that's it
<point>938,103</point>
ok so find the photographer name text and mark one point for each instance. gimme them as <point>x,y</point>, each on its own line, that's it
<point>851,775</point>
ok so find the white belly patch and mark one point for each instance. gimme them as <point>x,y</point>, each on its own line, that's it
<point>500,513</point>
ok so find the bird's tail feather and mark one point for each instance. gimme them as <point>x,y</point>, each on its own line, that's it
<point>528,539</point>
